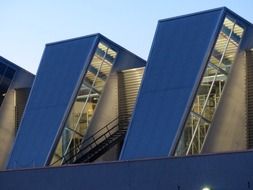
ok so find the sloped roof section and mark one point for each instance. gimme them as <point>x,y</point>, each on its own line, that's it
<point>179,54</point>
<point>59,73</point>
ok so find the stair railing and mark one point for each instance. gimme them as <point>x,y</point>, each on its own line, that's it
<point>119,123</point>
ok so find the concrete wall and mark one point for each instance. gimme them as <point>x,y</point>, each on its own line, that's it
<point>107,109</point>
<point>7,126</point>
<point>228,129</point>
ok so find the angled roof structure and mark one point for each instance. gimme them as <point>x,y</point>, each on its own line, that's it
<point>58,81</point>
<point>178,56</point>
<point>181,121</point>
<point>190,55</point>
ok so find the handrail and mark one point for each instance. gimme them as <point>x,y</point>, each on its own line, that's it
<point>85,103</point>
<point>93,139</point>
<point>90,144</point>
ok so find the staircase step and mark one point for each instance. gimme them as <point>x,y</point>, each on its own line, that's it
<point>102,141</point>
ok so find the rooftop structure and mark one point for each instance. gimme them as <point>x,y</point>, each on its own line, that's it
<point>100,117</point>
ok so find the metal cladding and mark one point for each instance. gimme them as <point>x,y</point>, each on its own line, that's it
<point>178,56</point>
<point>60,75</point>
<point>60,69</point>
<point>224,171</point>
<point>189,56</point>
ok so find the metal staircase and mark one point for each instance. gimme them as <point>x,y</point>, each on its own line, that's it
<point>97,144</point>
<point>93,147</point>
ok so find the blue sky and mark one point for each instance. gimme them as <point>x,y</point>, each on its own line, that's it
<point>26,26</point>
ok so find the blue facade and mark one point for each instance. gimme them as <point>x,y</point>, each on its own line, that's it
<point>225,171</point>
<point>178,56</point>
<point>59,76</point>
<point>178,63</point>
<point>61,68</point>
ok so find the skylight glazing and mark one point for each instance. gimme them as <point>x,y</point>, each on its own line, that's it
<point>210,89</point>
<point>85,104</point>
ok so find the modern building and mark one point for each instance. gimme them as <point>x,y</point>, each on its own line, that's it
<point>100,117</point>
<point>76,92</point>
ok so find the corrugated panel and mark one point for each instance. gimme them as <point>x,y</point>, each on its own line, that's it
<point>129,84</point>
<point>112,100</point>
<point>178,56</point>
<point>249,98</point>
<point>60,69</point>
<point>21,96</point>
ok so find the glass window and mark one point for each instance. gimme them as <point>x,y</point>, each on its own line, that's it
<point>210,89</point>
<point>85,104</point>
<point>6,76</point>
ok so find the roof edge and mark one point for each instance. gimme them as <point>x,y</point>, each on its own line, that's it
<point>72,39</point>
<point>193,14</point>
<point>13,65</point>
<point>210,155</point>
<point>99,35</point>
<point>229,11</point>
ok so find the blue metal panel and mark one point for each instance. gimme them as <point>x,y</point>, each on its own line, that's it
<point>59,74</point>
<point>227,171</point>
<point>127,60</point>
<point>178,56</point>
